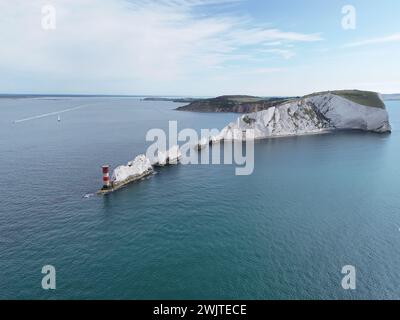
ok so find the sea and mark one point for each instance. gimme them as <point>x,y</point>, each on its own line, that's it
<point>313,205</point>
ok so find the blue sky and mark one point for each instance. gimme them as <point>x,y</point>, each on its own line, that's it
<point>199,47</point>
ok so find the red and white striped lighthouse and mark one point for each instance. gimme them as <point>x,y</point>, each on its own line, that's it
<point>106,177</point>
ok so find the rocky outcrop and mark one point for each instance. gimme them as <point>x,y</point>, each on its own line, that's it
<point>316,113</point>
<point>172,156</point>
<point>134,169</point>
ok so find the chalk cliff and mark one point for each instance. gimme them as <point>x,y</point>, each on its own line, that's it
<point>316,113</point>
<point>135,168</point>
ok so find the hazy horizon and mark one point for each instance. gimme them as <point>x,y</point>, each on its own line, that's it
<point>156,95</point>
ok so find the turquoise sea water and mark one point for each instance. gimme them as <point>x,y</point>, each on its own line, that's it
<point>313,205</point>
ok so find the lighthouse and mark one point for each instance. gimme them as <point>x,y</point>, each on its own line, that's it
<point>106,177</point>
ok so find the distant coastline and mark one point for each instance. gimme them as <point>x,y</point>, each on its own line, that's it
<point>176,99</point>
<point>235,104</point>
<point>391,97</point>
<point>30,96</point>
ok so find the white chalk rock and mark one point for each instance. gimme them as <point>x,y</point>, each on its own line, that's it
<point>311,114</point>
<point>174,155</point>
<point>162,158</point>
<point>204,142</point>
<point>216,139</point>
<point>140,165</point>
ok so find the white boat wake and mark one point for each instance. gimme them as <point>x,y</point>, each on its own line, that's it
<point>52,113</point>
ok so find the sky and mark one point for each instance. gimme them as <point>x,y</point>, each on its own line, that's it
<point>199,47</point>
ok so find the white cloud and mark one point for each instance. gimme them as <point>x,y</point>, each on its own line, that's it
<point>120,45</point>
<point>192,3</point>
<point>391,38</point>
<point>267,70</point>
<point>273,44</point>
<point>286,54</point>
<point>251,36</point>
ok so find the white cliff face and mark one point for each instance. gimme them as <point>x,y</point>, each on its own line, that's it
<point>140,165</point>
<point>161,158</point>
<point>309,115</point>
<point>172,156</point>
<point>345,114</point>
<point>203,142</point>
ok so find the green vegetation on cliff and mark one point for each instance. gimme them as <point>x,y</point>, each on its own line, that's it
<point>365,98</point>
<point>249,104</point>
<point>236,104</point>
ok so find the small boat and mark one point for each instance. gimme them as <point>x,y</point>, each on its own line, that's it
<point>59,119</point>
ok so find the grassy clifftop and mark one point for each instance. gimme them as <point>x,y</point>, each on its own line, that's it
<point>249,104</point>
<point>234,103</point>
<point>365,98</point>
